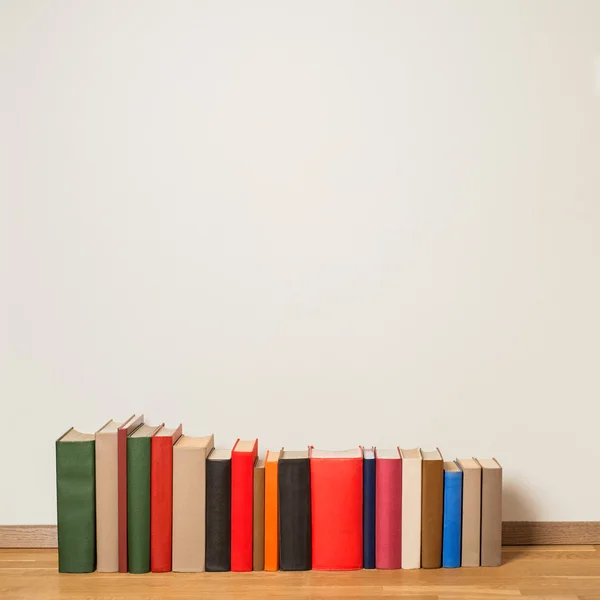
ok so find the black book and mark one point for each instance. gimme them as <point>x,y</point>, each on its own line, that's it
<point>218,511</point>
<point>294,511</point>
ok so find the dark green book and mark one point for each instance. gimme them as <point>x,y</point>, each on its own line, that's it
<point>76,502</point>
<point>138,498</point>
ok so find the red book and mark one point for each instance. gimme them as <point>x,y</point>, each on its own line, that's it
<point>243,457</point>
<point>161,498</point>
<point>388,509</point>
<point>336,490</point>
<point>126,429</point>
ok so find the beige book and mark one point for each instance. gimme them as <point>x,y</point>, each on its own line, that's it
<point>471,511</point>
<point>107,498</point>
<point>411,508</point>
<point>189,502</point>
<point>491,512</point>
<point>258,529</point>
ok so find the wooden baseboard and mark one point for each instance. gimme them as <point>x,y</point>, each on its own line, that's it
<point>535,533</point>
<point>514,533</point>
<point>28,536</point>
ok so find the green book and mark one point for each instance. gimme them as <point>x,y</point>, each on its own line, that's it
<point>76,502</point>
<point>138,498</point>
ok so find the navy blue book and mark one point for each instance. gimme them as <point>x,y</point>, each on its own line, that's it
<point>452,515</point>
<point>369,509</point>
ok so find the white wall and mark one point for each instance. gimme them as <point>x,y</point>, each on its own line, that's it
<point>379,218</point>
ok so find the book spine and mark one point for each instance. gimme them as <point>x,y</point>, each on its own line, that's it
<point>76,506</point>
<point>161,503</point>
<point>294,514</point>
<point>471,518</point>
<point>258,526</point>
<point>389,514</point>
<point>432,509</point>
<point>369,466</point>
<point>107,503</point>
<point>271,517</point>
<point>491,517</point>
<point>452,519</point>
<point>218,515</point>
<point>336,494</point>
<point>138,504</point>
<point>242,487</point>
<point>189,509</point>
<point>122,498</point>
<point>411,514</point>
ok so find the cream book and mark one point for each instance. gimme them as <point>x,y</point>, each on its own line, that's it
<point>491,512</point>
<point>471,512</point>
<point>189,502</point>
<point>411,508</point>
<point>107,497</point>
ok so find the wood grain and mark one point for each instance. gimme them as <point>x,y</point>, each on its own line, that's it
<point>531,533</point>
<point>527,573</point>
<point>514,533</point>
<point>28,536</point>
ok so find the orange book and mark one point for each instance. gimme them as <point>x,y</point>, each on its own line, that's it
<point>271,512</point>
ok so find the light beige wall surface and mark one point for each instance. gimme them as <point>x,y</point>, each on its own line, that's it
<point>388,212</point>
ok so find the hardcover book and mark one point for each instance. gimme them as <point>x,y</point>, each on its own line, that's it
<point>123,432</point>
<point>189,502</point>
<point>432,510</point>
<point>258,527</point>
<point>336,493</point>
<point>218,510</point>
<point>294,511</point>
<point>471,512</point>
<point>161,498</point>
<point>271,512</point>
<point>491,512</point>
<point>107,498</point>
<point>243,457</point>
<point>369,508</point>
<point>411,508</point>
<point>389,509</point>
<point>139,451</point>
<point>76,502</point>
<point>452,516</point>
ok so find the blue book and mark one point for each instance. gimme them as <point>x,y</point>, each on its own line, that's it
<point>369,509</point>
<point>452,515</point>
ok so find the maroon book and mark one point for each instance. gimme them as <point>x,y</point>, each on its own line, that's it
<point>126,429</point>
<point>388,509</point>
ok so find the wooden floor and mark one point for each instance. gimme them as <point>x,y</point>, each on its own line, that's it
<point>532,573</point>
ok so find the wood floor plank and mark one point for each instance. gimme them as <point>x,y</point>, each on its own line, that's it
<point>528,573</point>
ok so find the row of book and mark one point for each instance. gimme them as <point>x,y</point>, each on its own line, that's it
<point>137,498</point>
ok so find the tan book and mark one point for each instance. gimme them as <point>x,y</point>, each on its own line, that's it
<point>471,512</point>
<point>189,502</point>
<point>432,510</point>
<point>107,497</point>
<point>258,529</point>
<point>491,512</point>
<point>271,511</point>
<point>411,508</point>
